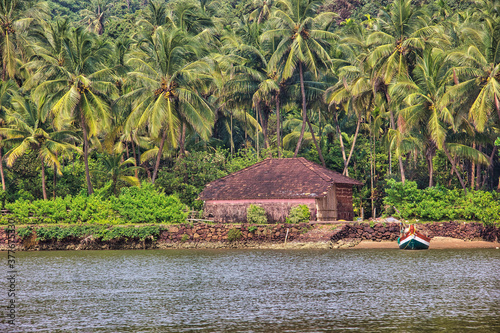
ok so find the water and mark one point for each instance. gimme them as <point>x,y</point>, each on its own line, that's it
<point>258,291</point>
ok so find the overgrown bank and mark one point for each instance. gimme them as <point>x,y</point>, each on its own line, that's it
<point>201,235</point>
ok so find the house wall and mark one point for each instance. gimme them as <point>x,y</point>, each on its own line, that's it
<point>336,205</point>
<point>344,202</point>
<point>327,206</point>
<point>235,211</point>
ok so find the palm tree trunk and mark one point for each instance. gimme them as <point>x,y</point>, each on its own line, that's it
<point>182,140</point>
<point>431,170</point>
<point>1,167</point>
<point>304,114</point>
<point>264,128</point>
<point>158,157</point>
<point>278,124</point>
<point>346,171</point>
<point>473,171</point>
<point>490,158</point>
<point>54,183</point>
<point>315,142</point>
<point>393,126</point>
<point>257,129</point>
<point>44,190</point>
<point>372,173</point>
<point>339,133</point>
<point>232,141</point>
<point>135,159</point>
<point>90,190</point>
<point>246,134</point>
<point>452,161</point>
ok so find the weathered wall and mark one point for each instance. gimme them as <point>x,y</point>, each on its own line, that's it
<point>219,232</point>
<point>172,235</point>
<point>200,234</point>
<point>235,211</point>
<point>390,231</point>
<point>327,206</point>
<point>344,202</point>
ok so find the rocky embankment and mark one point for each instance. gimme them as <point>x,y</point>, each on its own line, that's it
<point>390,231</point>
<point>303,235</point>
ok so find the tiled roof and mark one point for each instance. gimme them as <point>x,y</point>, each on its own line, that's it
<point>283,178</point>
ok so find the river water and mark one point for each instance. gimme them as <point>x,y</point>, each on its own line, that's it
<point>258,291</point>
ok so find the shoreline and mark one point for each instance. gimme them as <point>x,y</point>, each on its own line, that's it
<point>437,243</point>
<point>444,235</point>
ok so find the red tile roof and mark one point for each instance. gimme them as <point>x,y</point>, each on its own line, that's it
<point>283,178</point>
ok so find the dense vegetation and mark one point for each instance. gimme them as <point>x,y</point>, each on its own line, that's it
<point>439,203</point>
<point>103,95</point>
<point>134,205</point>
<point>100,232</point>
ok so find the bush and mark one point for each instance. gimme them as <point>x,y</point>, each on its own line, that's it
<point>101,232</point>
<point>146,205</point>
<point>234,235</point>
<point>299,214</point>
<point>3,198</point>
<point>439,203</point>
<point>134,205</point>
<point>256,214</point>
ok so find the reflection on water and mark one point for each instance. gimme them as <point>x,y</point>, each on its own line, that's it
<point>260,291</point>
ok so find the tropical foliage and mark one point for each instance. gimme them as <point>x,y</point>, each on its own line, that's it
<point>102,96</point>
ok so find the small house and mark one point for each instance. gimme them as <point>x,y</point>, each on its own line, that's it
<point>277,185</point>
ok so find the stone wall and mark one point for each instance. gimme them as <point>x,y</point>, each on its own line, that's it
<point>390,231</point>
<point>175,234</point>
<point>219,232</point>
<point>201,234</point>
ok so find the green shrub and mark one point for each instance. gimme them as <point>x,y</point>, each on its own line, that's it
<point>234,235</point>
<point>439,203</point>
<point>252,229</point>
<point>104,233</point>
<point>24,232</point>
<point>129,232</point>
<point>3,198</point>
<point>146,205</point>
<point>299,214</point>
<point>184,238</point>
<point>134,205</point>
<point>256,214</point>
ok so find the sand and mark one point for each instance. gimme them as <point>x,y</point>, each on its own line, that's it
<point>436,243</point>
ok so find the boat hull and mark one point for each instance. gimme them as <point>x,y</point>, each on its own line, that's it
<point>413,240</point>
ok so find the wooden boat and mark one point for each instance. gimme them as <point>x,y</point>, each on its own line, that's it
<point>411,239</point>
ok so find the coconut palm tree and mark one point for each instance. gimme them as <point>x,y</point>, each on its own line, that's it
<point>7,91</point>
<point>478,68</point>
<point>262,11</point>
<point>154,17</point>
<point>95,18</point>
<point>82,89</point>
<point>303,45</point>
<point>48,48</point>
<point>118,170</point>
<point>29,130</point>
<point>400,36</point>
<point>428,109</point>
<point>354,89</point>
<point>14,24</point>
<point>166,96</point>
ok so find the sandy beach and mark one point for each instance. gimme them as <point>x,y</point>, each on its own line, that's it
<point>436,243</point>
